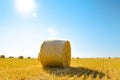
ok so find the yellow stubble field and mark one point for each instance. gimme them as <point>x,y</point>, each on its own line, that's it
<point>80,69</point>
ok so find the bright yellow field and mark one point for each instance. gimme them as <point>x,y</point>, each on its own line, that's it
<point>81,69</point>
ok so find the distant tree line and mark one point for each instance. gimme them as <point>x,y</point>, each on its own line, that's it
<point>2,56</point>
<point>22,57</point>
<point>11,57</point>
<point>19,57</point>
<point>97,58</point>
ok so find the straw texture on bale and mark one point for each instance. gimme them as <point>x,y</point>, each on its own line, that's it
<point>55,53</point>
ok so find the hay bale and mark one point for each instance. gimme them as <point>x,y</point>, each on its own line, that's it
<point>55,53</point>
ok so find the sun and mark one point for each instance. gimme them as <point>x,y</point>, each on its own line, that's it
<point>25,6</point>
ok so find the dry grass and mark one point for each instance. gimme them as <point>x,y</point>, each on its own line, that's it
<point>81,69</point>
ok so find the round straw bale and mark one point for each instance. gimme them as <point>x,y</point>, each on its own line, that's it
<point>55,53</point>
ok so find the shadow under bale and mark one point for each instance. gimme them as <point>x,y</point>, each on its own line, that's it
<point>74,71</point>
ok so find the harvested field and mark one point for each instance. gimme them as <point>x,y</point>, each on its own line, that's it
<point>81,69</point>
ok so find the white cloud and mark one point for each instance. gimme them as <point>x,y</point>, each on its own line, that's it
<point>34,15</point>
<point>53,33</point>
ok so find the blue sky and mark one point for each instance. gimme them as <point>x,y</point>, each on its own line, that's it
<point>92,26</point>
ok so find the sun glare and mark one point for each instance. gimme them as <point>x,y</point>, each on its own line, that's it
<point>25,6</point>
